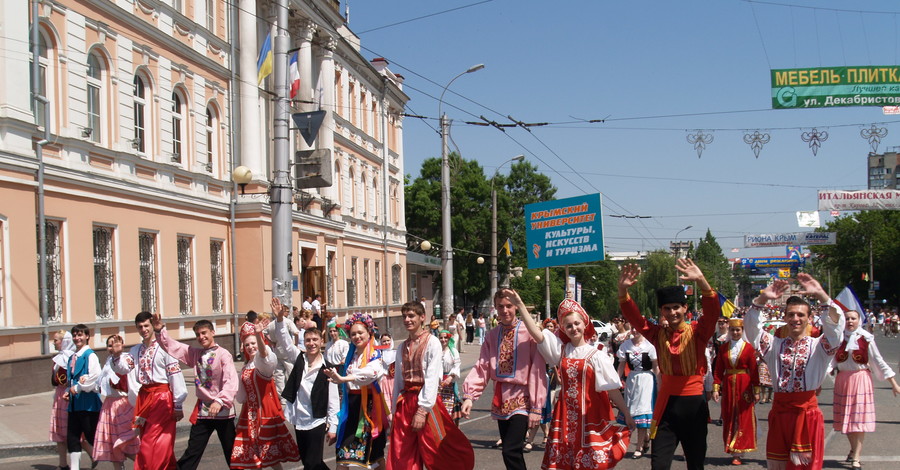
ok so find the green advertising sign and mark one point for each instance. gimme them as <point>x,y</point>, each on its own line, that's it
<point>827,87</point>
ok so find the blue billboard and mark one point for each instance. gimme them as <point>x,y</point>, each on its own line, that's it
<point>564,231</point>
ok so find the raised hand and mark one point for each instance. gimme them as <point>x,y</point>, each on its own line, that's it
<point>688,269</point>
<point>156,321</point>
<point>278,309</point>
<point>628,277</point>
<point>811,287</point>
<point>775,290</point>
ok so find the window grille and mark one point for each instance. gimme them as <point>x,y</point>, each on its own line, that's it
<point>377,282</point>
<point>104,277</point>
<point>395,281</point>
<point>54,271</point>
<point>217,269</point>
<point>351,293</point>
<point>329,275</point>
<point>185,279</point>
<point>366,282</point>
<point>147,249</point>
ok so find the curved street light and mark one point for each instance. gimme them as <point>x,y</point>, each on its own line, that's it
<point>447,249</point>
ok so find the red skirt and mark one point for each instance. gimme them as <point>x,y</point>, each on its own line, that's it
<point>262,438</point>
<point>440,445</point>
<point>738,415</point>
<point>115,438</point>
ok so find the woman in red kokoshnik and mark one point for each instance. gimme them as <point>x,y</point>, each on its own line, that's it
<point>584,432</point>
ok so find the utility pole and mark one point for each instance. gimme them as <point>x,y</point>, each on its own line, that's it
<point>446,247</point>
<point>281,190</point>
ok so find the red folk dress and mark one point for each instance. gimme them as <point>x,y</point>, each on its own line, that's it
<point>737,376</point>
<point>584,433</point>
<point>261,437</point>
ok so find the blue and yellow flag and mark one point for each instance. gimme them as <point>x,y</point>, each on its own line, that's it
<point>264,62</point>
<point>508,247</point>
<point>727,305</point>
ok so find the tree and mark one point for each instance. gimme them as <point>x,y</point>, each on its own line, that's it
<point>715,266</point>
<point>847,262</point>
<point>658,270</point>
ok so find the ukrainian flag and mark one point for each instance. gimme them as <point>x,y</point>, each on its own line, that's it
<point>508,247</point>
<point>726,305</point>
<point>264,63</point>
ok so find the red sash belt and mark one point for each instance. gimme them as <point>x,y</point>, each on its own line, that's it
<point>145,400</point>
<point>674,385</point>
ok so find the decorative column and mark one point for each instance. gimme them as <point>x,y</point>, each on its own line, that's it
<point>251,125</point>
<point>325,139</point>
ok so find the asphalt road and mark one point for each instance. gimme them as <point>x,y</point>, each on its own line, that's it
<point>880,451</point>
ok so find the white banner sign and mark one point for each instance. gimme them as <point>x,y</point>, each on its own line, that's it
<point>808,219</point>
<point>867,199</point>
<point>798,238</point>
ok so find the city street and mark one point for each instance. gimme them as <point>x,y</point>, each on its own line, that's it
<point>879,451</point>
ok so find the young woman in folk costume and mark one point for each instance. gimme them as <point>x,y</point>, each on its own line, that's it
<point>854,399</point>
<point>450,365</point>
<point>640,386</point>
<point>584,432</point>
<point>363,420</point>
<point>549,325</point>
<point>115,439</point>
<point>59,414</point>
<point>262,439</point>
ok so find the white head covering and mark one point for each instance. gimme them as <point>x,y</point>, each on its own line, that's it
<point>853,337</point>
<point>67,348</point>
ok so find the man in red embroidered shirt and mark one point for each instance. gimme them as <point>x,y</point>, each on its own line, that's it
<point>681,412</point>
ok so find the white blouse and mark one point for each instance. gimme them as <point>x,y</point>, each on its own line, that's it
<point>795,366</point>
<point>431,368</point>
<point>364,375</point>
<point>450,361</point>
<point>880,369</point>
<point>264,366</point>
<point>605,375</point>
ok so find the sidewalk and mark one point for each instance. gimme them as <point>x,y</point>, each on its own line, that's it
<point>25,419</point>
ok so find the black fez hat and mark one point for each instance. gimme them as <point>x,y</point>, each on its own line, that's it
<point>670,295</point>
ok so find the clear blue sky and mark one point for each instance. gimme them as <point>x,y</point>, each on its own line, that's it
<point>633,63</point>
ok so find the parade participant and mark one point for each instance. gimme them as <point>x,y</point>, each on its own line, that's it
<point>423,434</point>
<point>681,412</point>
<point>798,364</point>
<point>615,342</point>
<point>450,363</point>
<point>736,382</point>
<point>156,389</point>
<point>337,347</point>
<point>854,396</point>
<point>312,400</point>
<point>362,422</point>
<point>115,440</point>
<point>82,372</point>
<point>509,357</point>
<point>640,386</point>
<point>59,414</point>
<point>583,433</point>
<point>261,437</point>
<point>389,357</point>
<point>549,325</point>
<point>250,319</point>
<point>284,364</point>
<point>216,385</point>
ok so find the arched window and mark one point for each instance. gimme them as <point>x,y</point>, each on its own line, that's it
<point>213,141</point>
<point>352,179</point>
<point>39,107</point>
<point>139,141</point>
<point>95,69</point>
<point>178,131</point>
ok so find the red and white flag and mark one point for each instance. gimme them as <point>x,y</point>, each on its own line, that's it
<point>295,75</point>
<point>848,300</point>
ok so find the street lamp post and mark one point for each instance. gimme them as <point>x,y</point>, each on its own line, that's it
<point>494,280</point>
<point>447,249</point>
<point>678,248</point>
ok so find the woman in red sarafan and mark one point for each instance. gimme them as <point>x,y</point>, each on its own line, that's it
<point>584,433</point>
<point>261,437</point>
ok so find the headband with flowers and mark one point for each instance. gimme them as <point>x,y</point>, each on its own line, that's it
<point>360,317</point>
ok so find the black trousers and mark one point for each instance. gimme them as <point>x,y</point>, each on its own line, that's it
<point>513,431</point>
<point>81,422</point>
<point>312,447</point>
<point>684,421</point>
<point>200,433</point>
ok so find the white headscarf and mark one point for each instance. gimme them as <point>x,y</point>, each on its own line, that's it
<point>67,348</point>
<point>853,337</point>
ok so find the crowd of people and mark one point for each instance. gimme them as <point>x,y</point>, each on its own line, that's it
<point>308,382</point>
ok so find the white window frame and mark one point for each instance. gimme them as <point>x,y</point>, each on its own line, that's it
<point>139,141</point>
<point>95,98</point>
<point>109,284</point>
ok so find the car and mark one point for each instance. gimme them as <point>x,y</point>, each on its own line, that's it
<point>605,331</point>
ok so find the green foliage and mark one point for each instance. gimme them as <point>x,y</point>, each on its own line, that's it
<point>846,261</point>
<point>715,266</point>
<point>658,270</point>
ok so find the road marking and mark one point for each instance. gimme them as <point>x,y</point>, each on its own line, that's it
<point>473,420</point>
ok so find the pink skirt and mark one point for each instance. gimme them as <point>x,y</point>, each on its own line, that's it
<point>854,402</point>
<point>59,416</point>
<point>115,437</point>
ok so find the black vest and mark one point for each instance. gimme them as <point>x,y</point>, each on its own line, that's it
<point>319,394</point>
